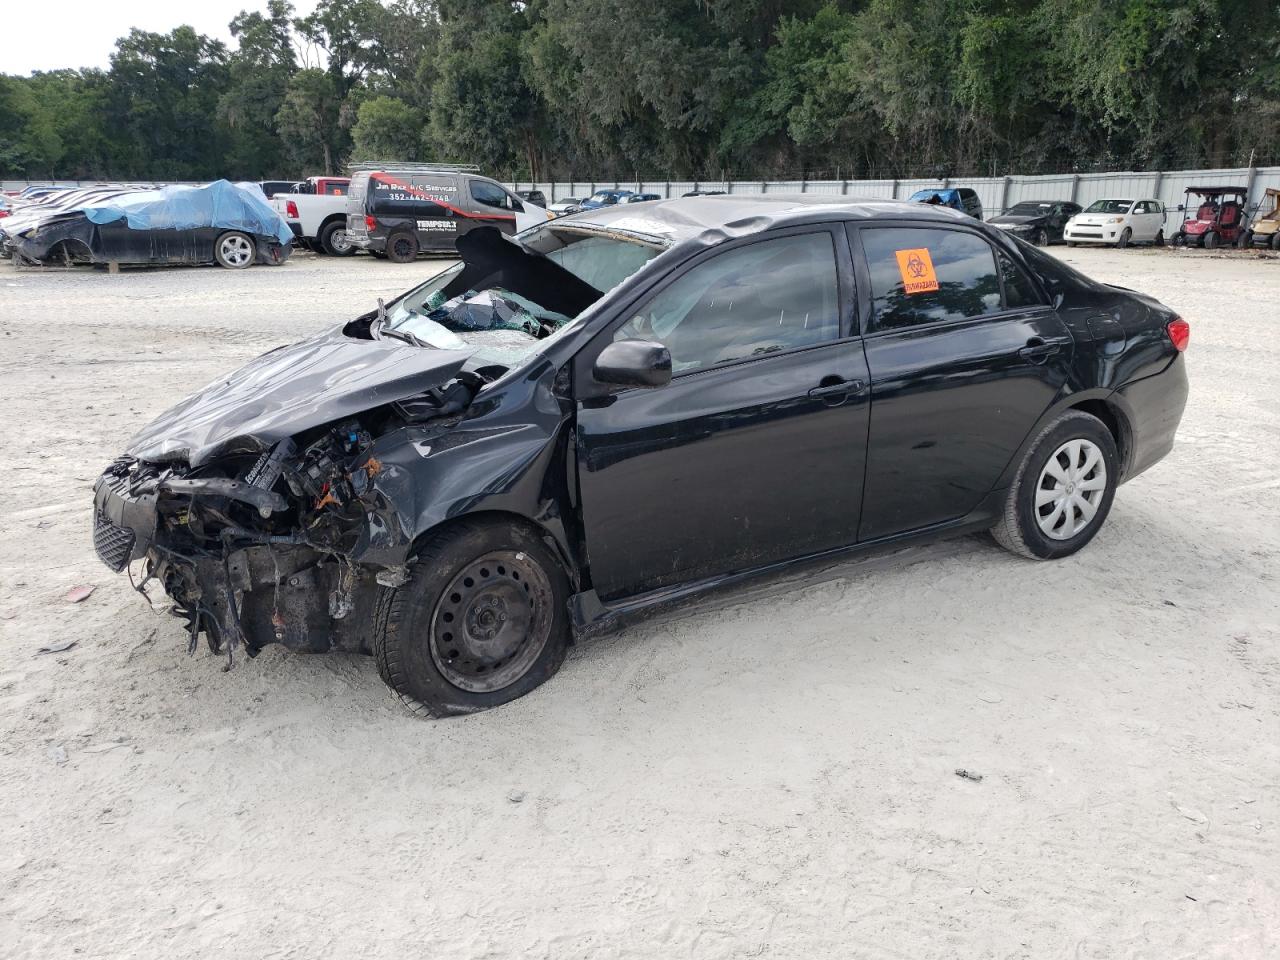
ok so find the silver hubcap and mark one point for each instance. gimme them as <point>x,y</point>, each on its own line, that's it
<point>236,250</point>
<point>339,240</point>
<point>1070,489</point>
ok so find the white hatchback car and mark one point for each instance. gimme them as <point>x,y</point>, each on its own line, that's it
<point>1117,223</point>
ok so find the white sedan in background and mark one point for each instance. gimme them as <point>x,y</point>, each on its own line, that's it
<point>1117,223</point>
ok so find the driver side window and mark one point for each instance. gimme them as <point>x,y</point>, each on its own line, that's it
<point>762,298</point>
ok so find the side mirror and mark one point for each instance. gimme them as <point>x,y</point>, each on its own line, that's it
<point>633,363</point>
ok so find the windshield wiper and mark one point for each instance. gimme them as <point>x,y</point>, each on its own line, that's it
<point>382,328</point>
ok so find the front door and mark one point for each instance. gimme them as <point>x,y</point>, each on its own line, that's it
<point>754,452</point>
<point>964,359</point>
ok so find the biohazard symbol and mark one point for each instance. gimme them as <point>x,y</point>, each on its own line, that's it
<point>916,267</point>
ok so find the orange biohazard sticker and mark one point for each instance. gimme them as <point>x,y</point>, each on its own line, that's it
<point>916,267</point>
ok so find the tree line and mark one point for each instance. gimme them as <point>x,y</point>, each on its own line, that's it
<point>560,89</point>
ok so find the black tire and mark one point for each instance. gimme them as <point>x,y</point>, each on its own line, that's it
<point>1125,236</point>
<point>1243,240</point>
<point>1210,240</point>
<point>402,248</point>
<point>333,239</point>
<point>1159,240</point>
<point>1072,244</point>
<point>1042,238</point>
<point>463,573</point>
<point>1020,529</point>
<point>234,250</point>
<point>1275,240</point>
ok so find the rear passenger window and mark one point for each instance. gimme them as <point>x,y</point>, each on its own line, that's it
<point>924,276</point>
<point>1018,291</point>
<point>762,298</point>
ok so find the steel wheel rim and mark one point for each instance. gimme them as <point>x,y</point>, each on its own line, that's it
<point>492,621</point>
<point>235,250</point>
<point>1070,489</point>
<point>338,240</point>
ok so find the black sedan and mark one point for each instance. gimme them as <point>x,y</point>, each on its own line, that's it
<point>1037,221</point>
<point>628,407</point>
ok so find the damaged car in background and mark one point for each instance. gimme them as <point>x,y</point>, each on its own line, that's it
<point>220,222</point>
<point>630,407</point>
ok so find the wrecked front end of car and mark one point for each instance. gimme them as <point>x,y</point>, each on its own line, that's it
<point>269,506</point>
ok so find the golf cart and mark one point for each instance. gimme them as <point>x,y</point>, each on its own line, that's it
<point>1265,231</point>
<point>1215,219</point>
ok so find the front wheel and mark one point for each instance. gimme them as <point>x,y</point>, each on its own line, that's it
<point>1159,241</point>
<point>1042,238</point>
<point>234,250</point>
<point>1210,240</point>
<point>1125,236</point>
<point>482,620</point>
<point>1063,489</point>
<point>1275,240</point>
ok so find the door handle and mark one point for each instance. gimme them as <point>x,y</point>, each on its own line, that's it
<point>838,389</point>
<point>1038,351</point>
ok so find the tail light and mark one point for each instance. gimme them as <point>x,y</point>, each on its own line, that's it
<point>370,223</point>
<point>1179,333</point>
<point>291,209</point>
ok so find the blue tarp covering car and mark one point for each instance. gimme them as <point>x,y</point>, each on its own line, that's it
<point>221,222</point>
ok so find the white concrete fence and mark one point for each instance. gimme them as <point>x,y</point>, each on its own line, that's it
<point>997,193</point>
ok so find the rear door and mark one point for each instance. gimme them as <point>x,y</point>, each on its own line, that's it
<point>964,358</point>
<point>754,452</point>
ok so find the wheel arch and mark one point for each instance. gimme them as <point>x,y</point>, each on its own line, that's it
<point>553,538</point>
<point>1099,403</point>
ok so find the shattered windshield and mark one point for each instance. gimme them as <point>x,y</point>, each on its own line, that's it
<point>508,300</point>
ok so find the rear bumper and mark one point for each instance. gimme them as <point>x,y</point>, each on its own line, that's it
<point>1153,407</point>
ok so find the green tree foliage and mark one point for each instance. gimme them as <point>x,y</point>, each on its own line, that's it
<point>614,88</point>
<point>386,128</point>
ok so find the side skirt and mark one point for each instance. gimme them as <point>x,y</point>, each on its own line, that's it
<point>590,615</point>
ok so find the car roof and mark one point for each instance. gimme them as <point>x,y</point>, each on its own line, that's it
<point>684,218</point>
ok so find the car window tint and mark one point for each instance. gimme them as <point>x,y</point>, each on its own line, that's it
<point>923,276</point>
<point>768,296</point>
<point>1018,291</point>
<point>489,194</point>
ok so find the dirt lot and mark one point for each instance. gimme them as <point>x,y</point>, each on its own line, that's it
<point>771,775</point>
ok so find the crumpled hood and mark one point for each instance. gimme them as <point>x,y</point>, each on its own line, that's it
<point>291,389</point>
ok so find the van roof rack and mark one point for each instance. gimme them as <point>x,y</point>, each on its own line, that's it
<point>399,165</point>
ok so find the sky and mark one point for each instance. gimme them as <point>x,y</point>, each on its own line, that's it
<point>82,33</point>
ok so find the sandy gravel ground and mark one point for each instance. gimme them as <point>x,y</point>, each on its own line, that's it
<point>772,775</point>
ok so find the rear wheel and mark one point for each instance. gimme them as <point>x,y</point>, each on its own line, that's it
<point>1275,240</point>
<point>234,250</point>
<point>402,248</point>
<point>1159,240</point>
<point>1063,489</point>
<point>1125,236</point>
<point>333,239</point>
<point>482,620</point>
<point>1210,240</point>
